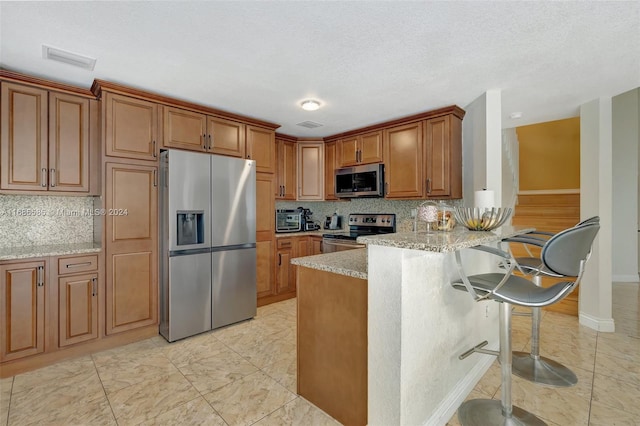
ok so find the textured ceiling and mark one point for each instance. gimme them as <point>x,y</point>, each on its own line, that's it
<point>365,61</point>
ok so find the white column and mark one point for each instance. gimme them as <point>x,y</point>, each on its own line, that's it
<point>482,146</point>
<point>626,135</point>
<point>596,199</point>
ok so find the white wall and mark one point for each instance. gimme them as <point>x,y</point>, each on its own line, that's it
<point>596,199</point>
<point>626,135</point>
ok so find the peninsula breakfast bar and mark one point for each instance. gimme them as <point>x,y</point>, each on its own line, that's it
<point>395,299</point>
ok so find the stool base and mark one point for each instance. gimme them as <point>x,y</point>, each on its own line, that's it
<point>542,370</point>
<point>483,412</point>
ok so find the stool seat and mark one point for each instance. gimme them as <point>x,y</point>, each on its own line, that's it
<point>516,290</point>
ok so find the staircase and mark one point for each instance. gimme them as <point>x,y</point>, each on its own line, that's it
<point>550,213</point>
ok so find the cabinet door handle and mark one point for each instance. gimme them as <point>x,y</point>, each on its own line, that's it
<point>44,178</point>
<point>77,265</point>
<point>155,177</point>
<point>210,142</point>
<point>204,142</point>
<point>53,178</point>
<point>40,276</point>
<point>279,259</point>
<point>386,188</point>
<point>428,185</point>
<point>155,153</point>
<point>94,286</point>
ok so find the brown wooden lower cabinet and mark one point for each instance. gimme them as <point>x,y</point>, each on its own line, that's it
<point>316,245</point>
<point>332,344</point>
<point>285,277</point>
<point>22,309</point>
<point>78,295</point>
<point>286,248</point>
<point>265,284</point>
<point>131,247</point>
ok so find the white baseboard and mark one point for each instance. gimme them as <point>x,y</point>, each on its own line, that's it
<point>632,278</point>
<point>458,394</point>
<point>598,324</point>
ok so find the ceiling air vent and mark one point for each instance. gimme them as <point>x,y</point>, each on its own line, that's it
<point>310,124</point>
<point>67,57</point>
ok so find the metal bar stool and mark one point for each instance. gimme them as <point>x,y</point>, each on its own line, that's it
<point>566,254</point>
<point>532,366</point>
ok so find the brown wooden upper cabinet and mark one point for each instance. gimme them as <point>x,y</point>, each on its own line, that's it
<point>130,127</point>
<point>330,165</point>
<point>200,132</point>
<point>261,147</point>
<point>424,159</point>
<point>45,140</point>
<point>443,157</point>
<point>311,171</point>
<point>403,161</point>
<point>360,149</point>
<point>287,169</point>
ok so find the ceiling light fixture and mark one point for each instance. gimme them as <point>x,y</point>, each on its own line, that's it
<point>310,105</point>
<point>515,115</point>
<point>67,57</point>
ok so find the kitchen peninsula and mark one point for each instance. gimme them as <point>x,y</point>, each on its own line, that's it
<point>396,307</point>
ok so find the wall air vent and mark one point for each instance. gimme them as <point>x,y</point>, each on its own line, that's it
<point>309,124</point>
<point>67,57</point>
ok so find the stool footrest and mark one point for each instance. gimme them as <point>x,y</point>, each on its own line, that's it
<point>478,349</point>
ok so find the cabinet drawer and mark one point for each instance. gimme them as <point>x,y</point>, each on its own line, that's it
<point>71,265</point>
<point>285,243</point>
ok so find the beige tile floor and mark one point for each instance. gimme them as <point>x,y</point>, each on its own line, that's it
<point>246,374</point>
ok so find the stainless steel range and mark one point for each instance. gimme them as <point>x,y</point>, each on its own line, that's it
<point>359,224</point>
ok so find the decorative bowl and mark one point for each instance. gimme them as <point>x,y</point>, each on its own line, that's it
<point>487,219</point>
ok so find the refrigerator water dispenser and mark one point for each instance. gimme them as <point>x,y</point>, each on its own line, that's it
<point>190,227</point>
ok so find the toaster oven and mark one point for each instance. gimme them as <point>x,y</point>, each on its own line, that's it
<point>288,221</point>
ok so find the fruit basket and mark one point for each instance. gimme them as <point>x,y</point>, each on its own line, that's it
<point>476,219</point>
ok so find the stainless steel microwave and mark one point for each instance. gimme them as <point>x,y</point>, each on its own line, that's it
<point>360,181</point>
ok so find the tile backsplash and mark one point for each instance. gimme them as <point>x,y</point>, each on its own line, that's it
<point>41,220</point>
<point>321,209</point>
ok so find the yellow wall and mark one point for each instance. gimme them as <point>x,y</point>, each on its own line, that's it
<point>550,155</point>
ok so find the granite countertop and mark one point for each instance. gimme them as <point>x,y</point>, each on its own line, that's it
<point>352,263</point>
<point>441,241</point>
<point>25,252</point>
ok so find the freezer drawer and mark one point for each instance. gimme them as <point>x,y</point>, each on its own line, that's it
<point>234,285</point>
<point>189,296</point>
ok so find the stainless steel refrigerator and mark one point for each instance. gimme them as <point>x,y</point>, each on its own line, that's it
<point>207,242</point>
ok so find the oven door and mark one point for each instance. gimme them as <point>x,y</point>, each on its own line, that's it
<point>330,245</point>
